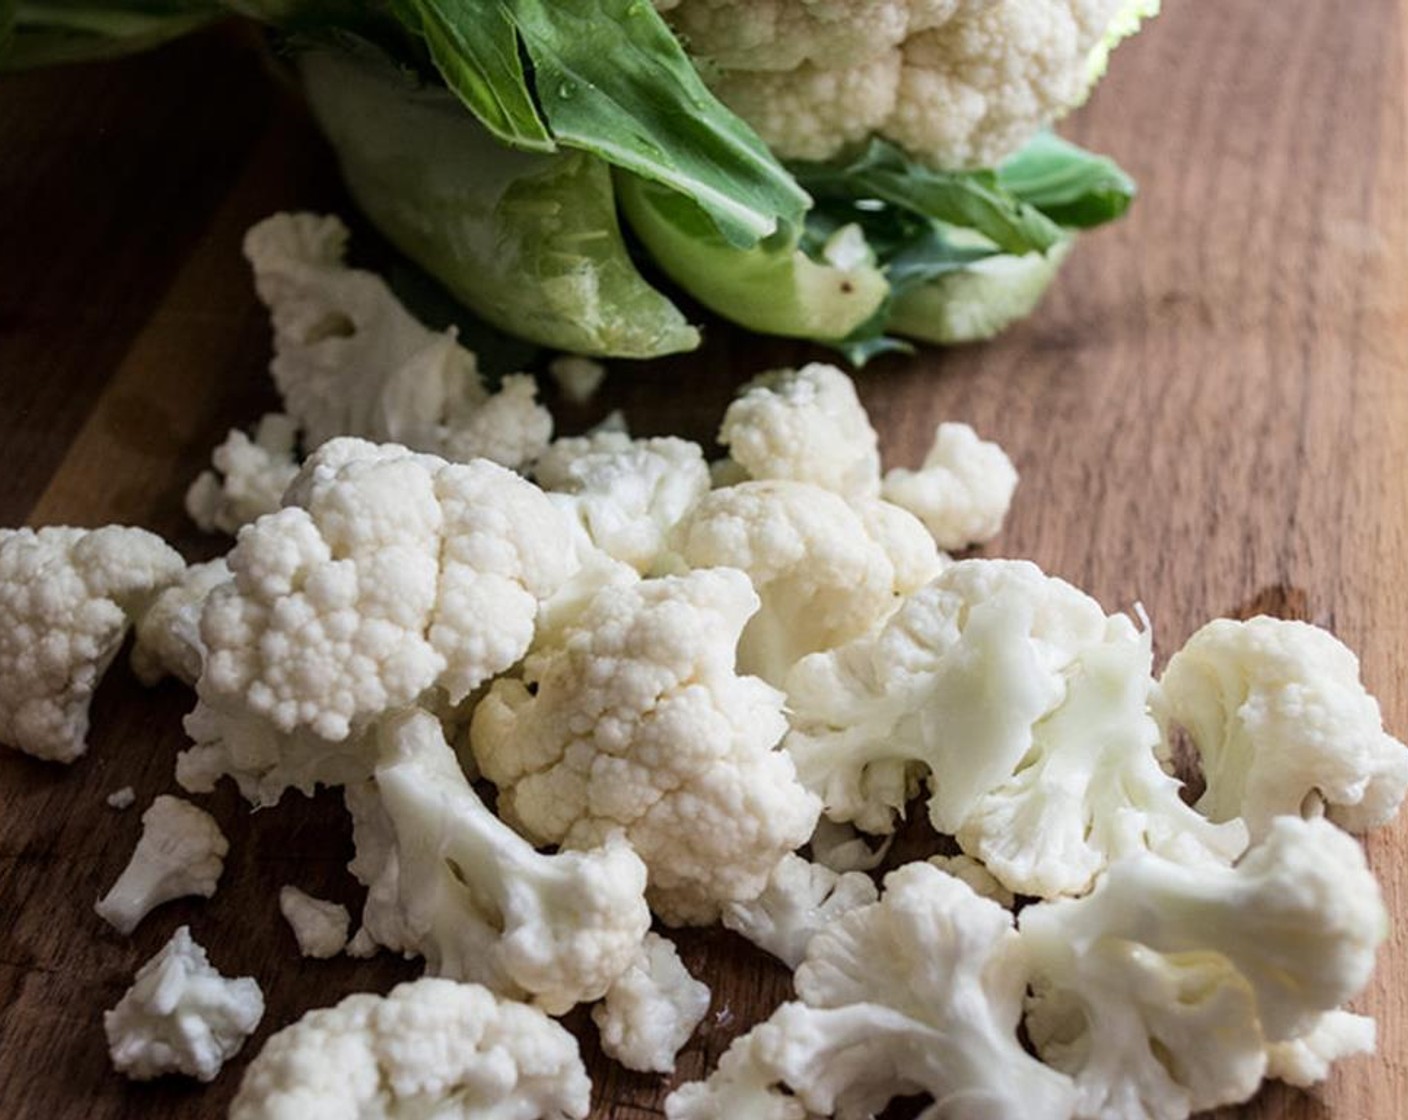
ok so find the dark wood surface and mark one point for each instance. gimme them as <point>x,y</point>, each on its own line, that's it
<point>1210,415</point>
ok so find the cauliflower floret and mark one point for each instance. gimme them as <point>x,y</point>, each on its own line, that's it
<point>958,83</point>
<point>625,495</point>
<point>577,377</point>
<point>181,852</point>
<point>168,632</point>
<point>448,880</point>
<point>350,360</point>
<point>963,490</point>
<point>1159,991</point>
<point>248,476</point>
<point>1025,703</point>
<point>919,992</point>
<point>978,878</point>
<point>629,715</point>
<point>388,574</point>
<point>181,1016</point>
<point>67,597</point>
<point>800,900</point>
<point>804,425</point>
<point>429,1048</point>
<point>1280,720</point>
<point>651,1010</point>
<point>821,580</point>
<point>319,926</point>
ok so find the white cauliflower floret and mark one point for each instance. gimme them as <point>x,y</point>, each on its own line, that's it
<point>181,853</point>
<point>429,1048</point>
<point>67,597</point>
<point>1160,990</point>
<point>1305,1060</point>
<point>800,900</point>
<point>1025,704</point>
<point>651,1010</point>
<point>821,579</point>
<point>804,425</point>
<point>919,992</point>
<point>387,575</point>
<point>319,926</point>
<point>168,631</point>
<point>248,476</point>
<point>1282,724</point>
<point>957,83</point>
<point>629,715</point>
<point>350,360</point>
<point>963,490</point>
<point>181,1016</point>
<point>978,878</point>
<point>577,377</point>
<point>624,494</point>
<point>450,881</point>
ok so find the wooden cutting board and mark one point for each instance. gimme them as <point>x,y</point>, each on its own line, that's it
<point>1210,415</point>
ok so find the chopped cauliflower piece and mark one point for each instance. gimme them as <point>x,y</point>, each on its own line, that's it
<point>67,597</point>
<point>651,1010</point>
<point>1282,724</point>
<point>579,378</point>
<point>387,575</point>
<point>181,853</point>
<point>181,1016</point>
<point>123,798</point>
<point>961,492</point>
<point>624,495</point>
<point>450,881</point>
<point>800,900</point>
<point>319,926</point>
<point>804,425</point>
<point>429,1048</point>
<point>1159,991</point>
<point>1025,704</point>
<point>919,992</point>
<point>168,632</point>
<point>349,360</point>
<point>248,476</point>
<point>821,579</point>
<point>629,715</point>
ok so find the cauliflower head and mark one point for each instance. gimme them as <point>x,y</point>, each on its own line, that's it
<point>1282,725</point>
<point>428,1048</point>
<point>629,715</point>
<point>67,598</point>
<point>956,83</point>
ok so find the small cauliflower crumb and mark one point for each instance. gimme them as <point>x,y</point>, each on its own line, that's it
<point>181,852</point>
<point>122,798</point>
<point>319,926</point>
<point>579,378</point>
<point>181,1015</point>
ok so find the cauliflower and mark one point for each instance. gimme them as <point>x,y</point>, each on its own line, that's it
<point>978,878</point>
<point>248,476</point>
<point>1282,724</point>
<point>651,1010</point>
<point>919,992</point>
<point>1027,707</point>
<point>958,83</point>
<point>320,927</point>
<point>181,852</point>
<point>387,575</point>
<point>821,579</point>
<point>121,799</point>
<point>429,1048</point>
<point>350,360</point>
<point>1160,990</point>
<point>450,881</point>
<point>181,1016</point>
<point>800,900</point>
<point>67,597</point>
<point>625,495</point>
<point>577,377</point>
<point>804,425</point>
<point>629,715</point>
<point>168,631</point>
<point>843,848</point>
<point>963,490</point>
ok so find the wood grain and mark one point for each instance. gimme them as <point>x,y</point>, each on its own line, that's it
<point>1210,415</point>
